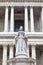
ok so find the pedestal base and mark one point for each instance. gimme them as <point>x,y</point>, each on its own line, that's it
<point>21,61</point>
<point>21,55</point>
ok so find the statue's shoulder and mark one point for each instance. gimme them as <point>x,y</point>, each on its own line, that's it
<point>21,33</point>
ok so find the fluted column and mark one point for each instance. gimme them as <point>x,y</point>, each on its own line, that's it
<point>26,19</point>
<point>42,18</point>
<point>31,19</point>
<point>33,47</point>
<point>11,51</point>
<point>6,20</point>
<point>4,55</point>
<point>12,20</point>
<point>28,51</point>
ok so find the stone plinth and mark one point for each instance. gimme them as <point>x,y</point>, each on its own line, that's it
<point>21,61</point>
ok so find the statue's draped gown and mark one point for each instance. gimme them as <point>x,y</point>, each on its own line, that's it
<point>21,42</point>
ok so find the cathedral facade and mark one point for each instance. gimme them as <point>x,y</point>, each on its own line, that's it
<point>26,13</point>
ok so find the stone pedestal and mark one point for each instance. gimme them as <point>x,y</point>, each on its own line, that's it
<point>21,61</point>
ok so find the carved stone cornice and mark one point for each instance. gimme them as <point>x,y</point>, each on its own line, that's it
<point>32,38</point>
<point>21,4</point>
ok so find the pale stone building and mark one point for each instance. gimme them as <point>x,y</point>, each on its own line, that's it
<point>26,13</point>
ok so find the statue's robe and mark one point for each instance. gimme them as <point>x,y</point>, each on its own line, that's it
<point>21,42</point>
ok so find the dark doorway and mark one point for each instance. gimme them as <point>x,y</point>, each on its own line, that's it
<point>18,23</point>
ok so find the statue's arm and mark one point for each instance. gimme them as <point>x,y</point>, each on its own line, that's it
<point>16,38</point>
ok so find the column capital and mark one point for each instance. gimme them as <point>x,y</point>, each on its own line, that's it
<point>5,45</point>
<point>33,45</point>
<point>25,6</point>
<point>31,6</point>
<point>12,6</point>
<point>12,45</point>
<point>6,6</point>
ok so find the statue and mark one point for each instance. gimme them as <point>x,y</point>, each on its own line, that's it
<point>21,42</point>
<point>21,57</point>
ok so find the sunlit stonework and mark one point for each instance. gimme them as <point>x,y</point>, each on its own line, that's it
<point>21,47</point>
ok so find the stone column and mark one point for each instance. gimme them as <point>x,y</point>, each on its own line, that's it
<point>33,52</point>
<point>12,20</point>
<point>31,19</point>
<point>42,18</point>
<point>28,51</point>
<point>26,19</point>
<point>11,51</point>
<point>4,55</point>
<point>6,20</point>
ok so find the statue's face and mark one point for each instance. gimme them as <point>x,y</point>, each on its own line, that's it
<point>21,28</point>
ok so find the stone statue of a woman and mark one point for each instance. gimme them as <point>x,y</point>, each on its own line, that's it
<point>21,42</point>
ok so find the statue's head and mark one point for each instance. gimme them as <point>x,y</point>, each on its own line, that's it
<point>21,28</point>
